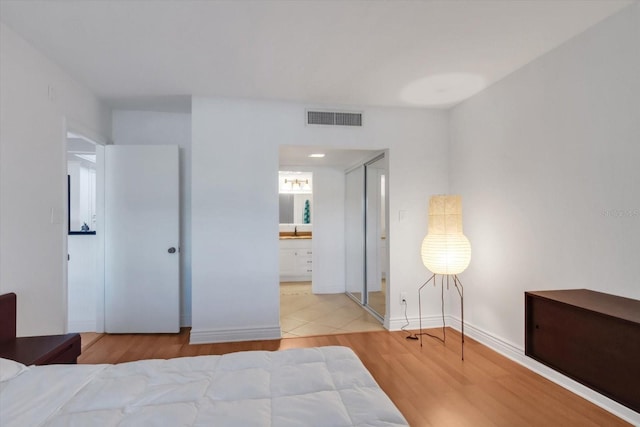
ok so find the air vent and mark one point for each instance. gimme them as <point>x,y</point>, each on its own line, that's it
<point>334,118</point>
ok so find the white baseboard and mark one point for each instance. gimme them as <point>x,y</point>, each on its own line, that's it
<point>428,322</point>
<point>82,326</point>
<point>209,336</point>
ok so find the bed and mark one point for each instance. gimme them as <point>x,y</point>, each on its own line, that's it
<point>323,386</point>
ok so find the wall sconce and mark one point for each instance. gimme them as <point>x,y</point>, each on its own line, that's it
<point>445,251</point>
<point>297,182</point>
<point>301,183</point>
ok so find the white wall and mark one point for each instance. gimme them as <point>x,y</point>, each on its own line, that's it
<point>327,217</point>
<point>161,128</point>
<point>547,162</point>
<point>235,251</point>
<point>36,100</point>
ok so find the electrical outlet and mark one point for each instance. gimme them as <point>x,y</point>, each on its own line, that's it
<point>403,297</point>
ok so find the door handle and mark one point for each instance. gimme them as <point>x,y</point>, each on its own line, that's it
<point>172,250</point>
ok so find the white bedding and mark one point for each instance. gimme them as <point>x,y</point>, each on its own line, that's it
<point>324,386</point>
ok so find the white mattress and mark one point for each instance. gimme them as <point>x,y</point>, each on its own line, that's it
<point>324,386</point>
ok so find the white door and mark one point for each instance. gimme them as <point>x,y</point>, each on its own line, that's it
<point>142,292</point>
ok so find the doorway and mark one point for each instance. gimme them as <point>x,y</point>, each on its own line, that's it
<point>90,286</point>
<point>295,245</point>
<point>295,228</point>
<point>322,306</point>
<point>84,160</point>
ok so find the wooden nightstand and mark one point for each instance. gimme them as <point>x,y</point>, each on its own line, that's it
<point>41,350</point>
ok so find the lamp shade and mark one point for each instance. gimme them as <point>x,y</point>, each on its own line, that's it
<point>445,250</point>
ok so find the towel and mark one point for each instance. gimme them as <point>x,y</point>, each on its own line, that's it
<point>307,212</point>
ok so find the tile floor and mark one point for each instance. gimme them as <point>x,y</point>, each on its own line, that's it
<point>304,314</point>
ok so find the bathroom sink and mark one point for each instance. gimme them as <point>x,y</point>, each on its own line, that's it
<point>290,237</point>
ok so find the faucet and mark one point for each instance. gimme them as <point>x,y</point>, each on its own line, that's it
<point>295,230</point>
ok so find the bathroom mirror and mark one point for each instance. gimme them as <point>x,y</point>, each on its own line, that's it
<point>296,208</point>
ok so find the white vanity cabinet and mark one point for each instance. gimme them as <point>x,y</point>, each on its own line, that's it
<point>295,260</point>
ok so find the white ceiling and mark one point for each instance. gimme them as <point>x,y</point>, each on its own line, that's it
<point>154,54</point>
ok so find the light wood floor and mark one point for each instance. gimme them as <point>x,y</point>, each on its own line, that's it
<point>430,385</point>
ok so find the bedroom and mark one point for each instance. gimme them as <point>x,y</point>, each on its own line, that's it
<point>539,157</point>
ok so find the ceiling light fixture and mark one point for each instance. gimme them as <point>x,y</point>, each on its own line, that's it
<point>317,155</point>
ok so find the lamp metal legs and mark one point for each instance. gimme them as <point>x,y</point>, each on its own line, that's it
<point>458,285</point>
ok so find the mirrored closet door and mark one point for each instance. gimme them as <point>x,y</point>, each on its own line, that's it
<point>355,233</point>
<point>375,238</point>
<point>366,234</point>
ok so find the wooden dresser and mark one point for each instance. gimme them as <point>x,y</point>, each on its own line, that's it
<point>589,336</point>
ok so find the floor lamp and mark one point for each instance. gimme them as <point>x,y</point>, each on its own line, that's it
<point>445,251</point>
